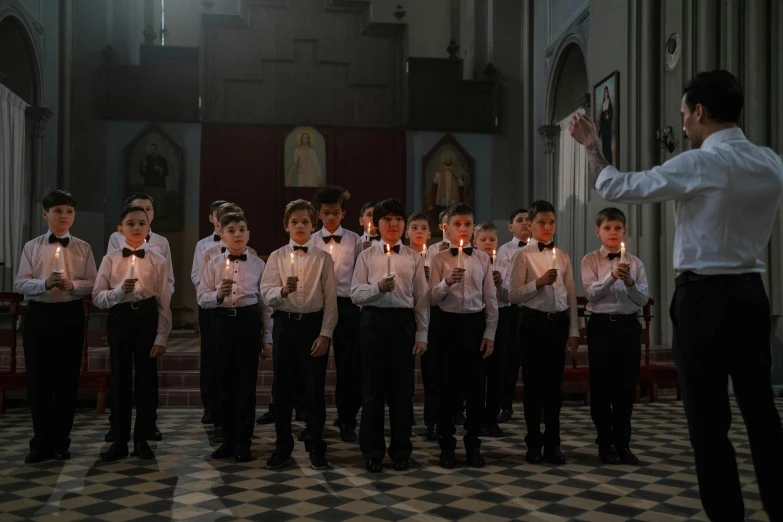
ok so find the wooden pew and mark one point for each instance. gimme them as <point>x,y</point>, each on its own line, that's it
<point>10,306</point>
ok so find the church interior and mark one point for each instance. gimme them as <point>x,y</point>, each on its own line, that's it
<point>431,102</point>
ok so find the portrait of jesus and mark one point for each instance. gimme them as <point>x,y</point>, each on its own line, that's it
<point>305,158</point>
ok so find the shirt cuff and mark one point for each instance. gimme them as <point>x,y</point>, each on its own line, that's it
<point>161,339</point>
<point>489,333</point>
<point>326,332</point>
<point>573,331</point>
<point>421,337</point>
<point>116,296</point>
<point>266,338</point>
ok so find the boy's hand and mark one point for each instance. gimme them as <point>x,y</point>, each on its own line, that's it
<point>572,345</point>
<point>497,278</point>
<point>386,284</point>
<point>455,276</point>
<point>320,346</point>
<point>128,285</point>
<point>65,284</point>
<point>624,273</point>
<point>487,346</point>
<point>549,277</point>
<point>419,348</point>
<point>290,286</point>
<point>224,290</point>
<point>157,351</point>
<point>366,245</point>
<point>443,246</point>
<point>53,280</point>
<point>266,351</point>
<point>427,272</point>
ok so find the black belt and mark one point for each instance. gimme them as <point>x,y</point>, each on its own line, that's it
<point>150,302</point>
<point>39,304</point>
<point>551,316</point>
<point>296,316</point>
<point>692,277</point>
<point>613,317</point>
<point>233,312</point>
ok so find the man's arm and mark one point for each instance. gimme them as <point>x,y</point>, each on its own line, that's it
<point>596,162</point>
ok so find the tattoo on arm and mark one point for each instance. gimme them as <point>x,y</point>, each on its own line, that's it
<point>595,162</point>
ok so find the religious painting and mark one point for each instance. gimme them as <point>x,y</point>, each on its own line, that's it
<point>606,107</point>
<point>153,165</point>
<point>305,158</point>
<point>448,174</point>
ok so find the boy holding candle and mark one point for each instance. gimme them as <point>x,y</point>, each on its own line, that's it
<point>133,284</point>
<point>56,270</point>
<point>344,247</point>
<point>370,232</point>
<point>462,285</point>
<point>299,283</point>
<point>542,283</point>
<point>615,285</point>
<point>230,287</point>
<point>390,285</point>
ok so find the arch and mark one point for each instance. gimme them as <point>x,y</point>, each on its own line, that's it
<point>17,33</point>
<point>568,78</point>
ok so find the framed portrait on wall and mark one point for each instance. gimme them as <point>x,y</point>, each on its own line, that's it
<point>448,176</point>
<point>305,158</point>
<point>153,165</point>
<point>606,114</point>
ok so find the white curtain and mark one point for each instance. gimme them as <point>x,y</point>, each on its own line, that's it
<point>13,181</point>
<point>571,199</point>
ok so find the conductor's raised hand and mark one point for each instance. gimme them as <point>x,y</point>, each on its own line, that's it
<point>487,346</point>
<point>549,278</point>
<point>320,346</point>
<point>419,348</point>
<point>582,129</point>
<point>157,351</point>
<point>386,284</point>
<point>455,276</point>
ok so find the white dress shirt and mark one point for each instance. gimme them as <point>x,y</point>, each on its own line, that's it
<point>246,290</point>
<point>727,195</point>
<point>475,293</point>
<point>607,295</point>
<point>502,265</point>
<point>410,283</point>
<point>38,263</point>
<point>343,254</point>
<point>218,249</point>
<point>315,289</point>
<point>151,273</point>
<point>157,243</point>
<point>434,250</point>
<point>198,257</point>
<point>507,250</point>
<point>527,265</point>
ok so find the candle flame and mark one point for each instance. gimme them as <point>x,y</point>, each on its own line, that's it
<point>292,256</point>
<point>494,252</point>
<point>227,262</point>
<point>58,250</point>
<point>423,249</point>
<point>133,258</point>
<point>622,245</point>
<point>554,251</point>
<point>460,242</point>
<point>388,249</point>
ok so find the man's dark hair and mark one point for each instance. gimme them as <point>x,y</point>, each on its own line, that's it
<point>138,195</point>
<point>418,216</point>
<point>515,213</point>
<point>330,195</point>
<point>127,209</point>
<point>369,204</point>
<point>387,207</point>
<point>609,214</point>
<point>215,205</point>
<point>233,217</point>
<point>460,209</point>
<point>540,206</point>
<point>443,214</point>
<point>719,91</point>
<point>58,197</point>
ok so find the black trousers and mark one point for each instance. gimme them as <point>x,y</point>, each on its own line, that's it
<point>428,363</point>
<point>542,341</point>
<point>208,370</point>
<point>293,337</point>
<point>237,336</point>
<point>496,363</point>
<point>461,365</point>
<point>387,336</point>
<point>131,331</point>
<point>53,337</point>
<point>347,359</point>
<point>722,329</point>
<point>512,360</point>
<point>614,348</point>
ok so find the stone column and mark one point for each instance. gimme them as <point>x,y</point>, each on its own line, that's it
<point>36,119</point>
<point>550,134</point>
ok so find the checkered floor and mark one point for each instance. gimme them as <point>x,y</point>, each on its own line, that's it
<point>184,483</point>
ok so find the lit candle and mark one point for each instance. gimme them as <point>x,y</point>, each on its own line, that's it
<point>228,269</point>
<point>554,258</point>
<point>59,264</point>
<point>368,231</point>
<point>331,250</point>
<point>133,266</point>
<point>494,256</point>
<point>622,253</point>
<point>388,261</point>
<point>292,265</point>
<point>424,250</point>
<point>459,256</point>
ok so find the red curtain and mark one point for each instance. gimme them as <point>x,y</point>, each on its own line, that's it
<point>244,164</point>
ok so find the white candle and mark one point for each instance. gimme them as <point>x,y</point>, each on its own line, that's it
<point>424,250</point>
<point>293,262</point>
<point>133,266</point>
<point>331,250</point>
<point>459,255</point>
<point>622,253</point>
<point>554,258</point>
<point>494,256</point>
<point>388,261</point>
<point>368,231</point>
<point>228,269</point>
<point>59,265</point>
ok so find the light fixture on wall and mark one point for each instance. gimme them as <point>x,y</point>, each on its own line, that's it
<point>399,12</point>
<point>665,137</point>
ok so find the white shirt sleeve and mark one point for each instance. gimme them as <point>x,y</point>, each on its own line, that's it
<point>678,178</point>
<point>25,284</point>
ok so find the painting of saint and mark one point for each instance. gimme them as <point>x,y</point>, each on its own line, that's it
<point>605,96</point>
<point>448,177</point>
<point>305,158</point>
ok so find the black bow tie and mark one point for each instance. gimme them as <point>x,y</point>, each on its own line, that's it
<point>614,256</point>
<point>542,246</point>
<point>216,237</point>
<point>395,249</point>
<point>222,250</point>
<point>468,251</point>
<point>522,243</point>
<point>147,239</point>
<point>62,240</point>
<point>303,249</point>
<point>327,239</point>
<point>241,257</point>
<point>374,238</point>
<point>127,252</point>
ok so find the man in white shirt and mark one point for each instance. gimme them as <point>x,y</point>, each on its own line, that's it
<point>727,191</point>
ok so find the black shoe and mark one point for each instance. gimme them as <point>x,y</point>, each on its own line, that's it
<point>318,461</point>
<point>116,451</point>
<point>142,450</point>
<point>504,416</point>
<point>337,422</point>
<point>459,419</point>
<point>432,431</point>
<point>156,434</point>
<point>302,435</point>
<point>242,454</point>
<point>555,457</point>
<point>475,459</point>
<point>301,416</point>
<point>608,455</point>
<point>38,455</point>
<point>493,430</point>
<point>446,459</point>
<point>373,466</point>
<point>268,417</point>
<point>217,436</point>
<point>534,455</point>
<point>347,433</point>
<point>277,461</point>
<point>207,417</point>
<point>225,451</point>
<point>401,464</point>
<point>109,437</point>
<point>61,455</point>
<point>627,456</point>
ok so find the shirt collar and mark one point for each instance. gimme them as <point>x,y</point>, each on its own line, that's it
<point>49,233</point>
<point>326,233</point>
<point>293,243</point>
<point>605,252</point>
<point>716,138</point>
<point>516,240</point>
<point>535,242</point>
<point>382,245</point>
<point>126,245</point>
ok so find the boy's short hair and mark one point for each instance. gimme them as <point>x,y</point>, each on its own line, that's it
<point>388,207</point>
<point>609,214</point>
<point>369,204</point>
<point>460,209</point>
<point>418,216</point>
<point>443,214</point>
<point>486,226</point>
<point>127,209</point>
<point>58,197</point>
<point>331,195</point>
<point>216,205</point>
<point>515,213</point>
<point>227,208</point>
<point>299,204</point>
<point>232,217</point>
<point>138,195</point>
<point>540,206</point>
